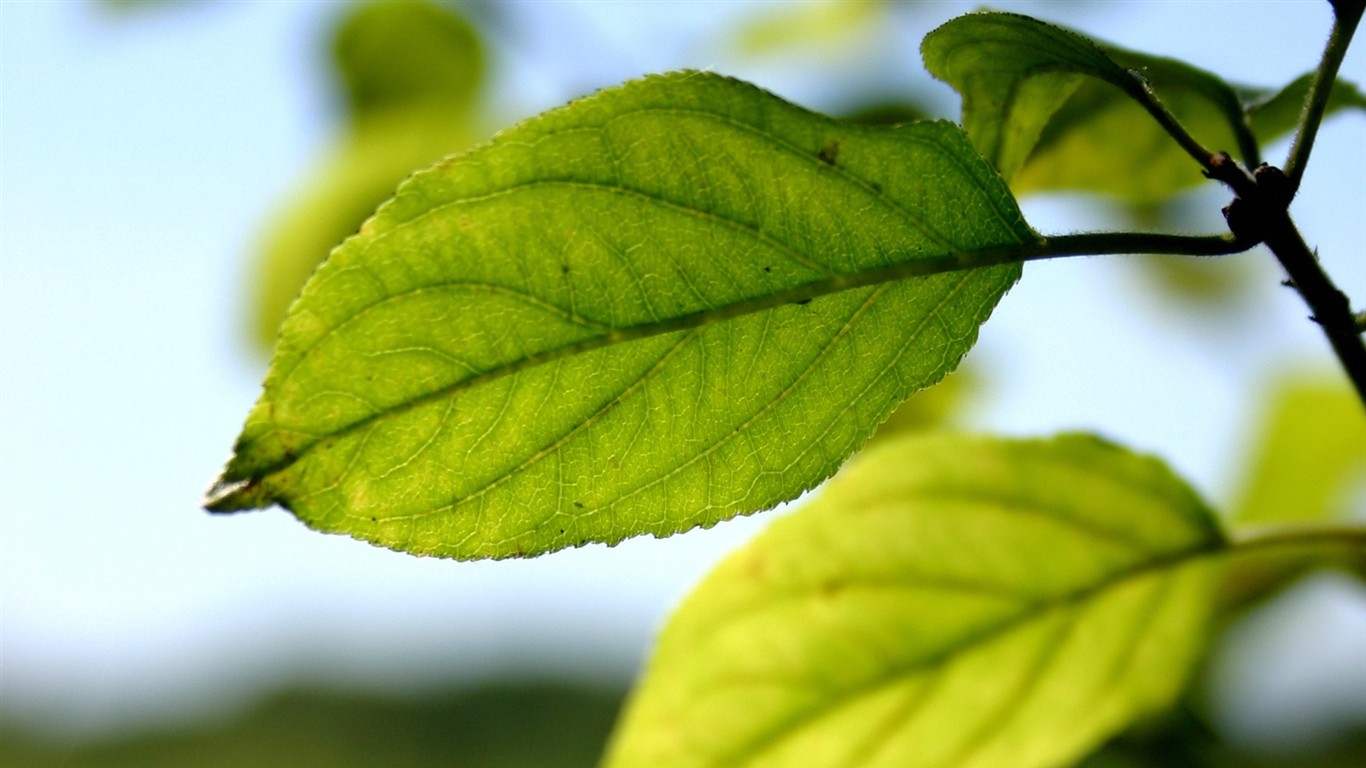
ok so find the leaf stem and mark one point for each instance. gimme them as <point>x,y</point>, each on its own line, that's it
<point>1137,87</point>
<point>1276,536</point>
<point>1115,243</point>
<point>1345,20</point>
<point>1330,306</point>
<point>236,491</point>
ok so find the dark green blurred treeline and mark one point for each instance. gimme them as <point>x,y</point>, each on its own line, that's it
<point>508,725</point>
<point>520,725</point>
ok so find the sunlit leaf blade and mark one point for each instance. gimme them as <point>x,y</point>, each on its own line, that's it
<point>656,308</point>
<point>946,601</point>
<point>1274,114</point>
<point>935,408</point>
<point>1307,464</point>
<point>1101,140</point>
<point>1013,73</point>
<point>335,200</point>
<point>1055,110</point>
<point>1310,450</point>
<point>823,25</point>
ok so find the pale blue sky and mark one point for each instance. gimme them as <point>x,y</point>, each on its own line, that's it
<point>140,158</point>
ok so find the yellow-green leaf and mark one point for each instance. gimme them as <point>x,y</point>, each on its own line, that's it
<point>1310,448</point>
<point>656,308</point>
<point>946,601</point>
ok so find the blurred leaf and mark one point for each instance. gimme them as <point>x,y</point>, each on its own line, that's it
<point>786,27</point>
<point>1209,283</point>
<point>658,307</point>
<point>1309,455</point>
<point>930,408</point>
<point>138,6</point>
<point>1250,581</point>
<point>1102,140</point>
<point>1311,447</point>
<point>886,113</point>
<point>1179,739</point>
<point>1274,114</point>
<point>945,601</point>
<point>516,725</point>
<point>405,52</point>
<point>411,70</point>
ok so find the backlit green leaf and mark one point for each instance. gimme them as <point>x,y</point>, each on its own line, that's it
<point>1013,73</point>
<point>1101,140</point>
<point>1274,114</point>
<point>656,308</point>
<point>945,601</point>
<point>1055,110</point>
<point>1307,464</point>
<point>1310,450</point>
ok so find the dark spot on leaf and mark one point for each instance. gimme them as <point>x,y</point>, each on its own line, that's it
<point>564,269</point>
<point>578,504</point>
<point>561,530</point>
<point>829,153</point>
<point>876,187</point>
<point>802,302</point>
<point>768,269</point>
<point>830,588</point>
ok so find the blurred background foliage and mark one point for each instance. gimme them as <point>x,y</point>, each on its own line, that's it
<point>411,85</point>
<point>507,725</point>
<point>411,75</point>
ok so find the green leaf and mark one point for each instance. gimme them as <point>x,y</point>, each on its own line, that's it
<point>1309,451</point>
<point>1274,114</point>
<point>656,308</point>
<point>946,601</point>
<point>335,200</point>
<point>935,408</point>
<point>1013,72</point>
<point>1055,110</point>
<point>397,54</point>
<point>1311,447</point>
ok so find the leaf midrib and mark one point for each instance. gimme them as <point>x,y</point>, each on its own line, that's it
<point>1029,613</point>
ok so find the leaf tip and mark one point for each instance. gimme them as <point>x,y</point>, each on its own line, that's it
<point>229,494</point>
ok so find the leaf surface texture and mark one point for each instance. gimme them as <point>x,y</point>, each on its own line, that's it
<point>1055,110</point>
<point>656,308</point>
<point>945,601</point>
